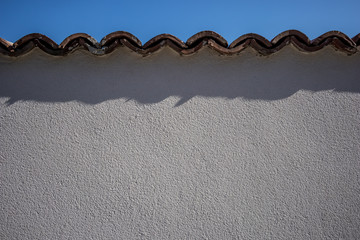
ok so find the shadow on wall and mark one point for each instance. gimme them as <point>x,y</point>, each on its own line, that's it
<point>152,79</point>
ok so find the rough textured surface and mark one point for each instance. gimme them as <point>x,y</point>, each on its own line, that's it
<point>170,147</point>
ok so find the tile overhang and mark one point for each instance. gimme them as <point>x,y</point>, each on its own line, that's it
<point>109,43</point>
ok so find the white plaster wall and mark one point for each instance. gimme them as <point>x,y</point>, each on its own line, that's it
<point>171,147</point>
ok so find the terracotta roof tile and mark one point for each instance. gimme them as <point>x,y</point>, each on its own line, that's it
<point>337,39</point>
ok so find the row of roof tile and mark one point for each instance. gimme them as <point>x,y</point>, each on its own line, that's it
<point>109,43</point>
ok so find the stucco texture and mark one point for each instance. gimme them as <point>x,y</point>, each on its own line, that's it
<point>172,147</point>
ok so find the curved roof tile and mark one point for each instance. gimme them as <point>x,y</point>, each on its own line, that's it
<point>337,39</point>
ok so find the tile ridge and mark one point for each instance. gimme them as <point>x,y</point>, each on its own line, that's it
<point>110,42</point>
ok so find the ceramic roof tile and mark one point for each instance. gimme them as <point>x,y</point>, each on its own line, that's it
<point>337,39</point>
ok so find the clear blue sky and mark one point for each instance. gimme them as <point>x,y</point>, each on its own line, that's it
<point>146,19</point>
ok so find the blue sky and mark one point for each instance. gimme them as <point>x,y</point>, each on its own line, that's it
<point>146,19</point>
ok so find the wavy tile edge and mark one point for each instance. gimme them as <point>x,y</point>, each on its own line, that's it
<point>110,42</point>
